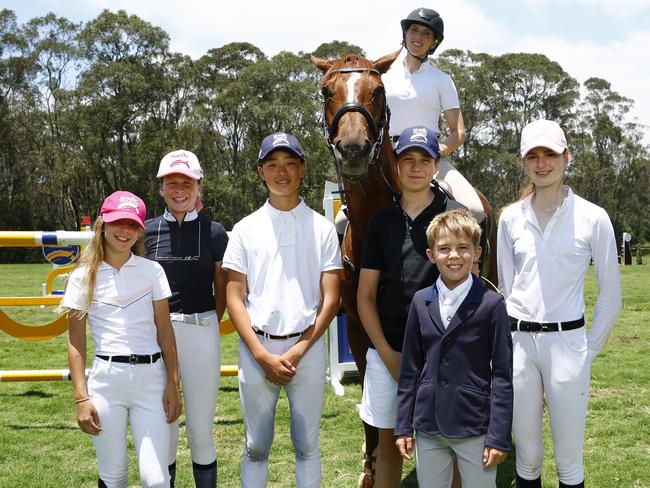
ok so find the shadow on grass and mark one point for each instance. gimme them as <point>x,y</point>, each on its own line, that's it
<point>506,471</point>
<point>410,481</point>
<point>40,426</point>
<point>237,421</point>
<point>29,394</point>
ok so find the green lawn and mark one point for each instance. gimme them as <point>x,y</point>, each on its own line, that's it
<point>41,446</point>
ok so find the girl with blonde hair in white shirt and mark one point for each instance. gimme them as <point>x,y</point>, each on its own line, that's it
<point>124,298</point>
<point>546,241</point>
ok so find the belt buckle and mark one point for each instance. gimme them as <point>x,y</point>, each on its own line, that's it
<point>133,360</point>
<point>545,327</point>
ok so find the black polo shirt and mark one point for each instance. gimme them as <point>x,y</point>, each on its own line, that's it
<point>187,253</point>
<point>397,245</point>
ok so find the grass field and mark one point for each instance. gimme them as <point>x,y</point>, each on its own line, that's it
<point>41,446</point>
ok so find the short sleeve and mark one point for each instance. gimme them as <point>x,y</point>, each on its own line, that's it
<point>448,94</point>
<point>372,257</point>
<point>331,256</point>
<point>218,241</point>
<point>75,293</point>
<point>161,288</point>
<point>234,257</point>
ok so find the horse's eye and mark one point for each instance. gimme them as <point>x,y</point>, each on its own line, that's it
<point>326,92</point>
<point>378,92</point>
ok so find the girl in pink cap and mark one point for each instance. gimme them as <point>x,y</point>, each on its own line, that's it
<point>134,374</point>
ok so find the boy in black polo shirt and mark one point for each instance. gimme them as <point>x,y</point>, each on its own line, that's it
<point>394,266</point>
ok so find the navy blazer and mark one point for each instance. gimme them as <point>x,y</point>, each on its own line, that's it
<point>457,381</point>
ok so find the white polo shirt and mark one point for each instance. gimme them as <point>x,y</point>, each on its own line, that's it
<point>541,274</point>
<point>417,98</point>
<point>121,314</point>
<point>282,254</point>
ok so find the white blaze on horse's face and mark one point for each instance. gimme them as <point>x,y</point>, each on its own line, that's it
<point>349,87</point>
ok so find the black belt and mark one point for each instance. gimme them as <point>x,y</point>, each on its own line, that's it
<point>277,337</point>
<point>133,358</point>
<point>524,326</point>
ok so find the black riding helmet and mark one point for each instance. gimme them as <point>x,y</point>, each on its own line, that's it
<point>428,18</point>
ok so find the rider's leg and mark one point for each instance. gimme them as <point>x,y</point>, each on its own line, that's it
<point>462,190</point>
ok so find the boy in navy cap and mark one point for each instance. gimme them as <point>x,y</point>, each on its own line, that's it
<point>394,266</point>
<point>455,380</point>
<point>283,262</point>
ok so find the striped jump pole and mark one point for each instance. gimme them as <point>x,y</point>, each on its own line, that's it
<point>37,238</point>
<point>64,374</point>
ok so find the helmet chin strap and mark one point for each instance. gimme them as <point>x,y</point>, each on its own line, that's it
<point>421,59</point>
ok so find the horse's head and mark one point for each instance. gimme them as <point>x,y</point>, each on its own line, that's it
<point>355,114</point>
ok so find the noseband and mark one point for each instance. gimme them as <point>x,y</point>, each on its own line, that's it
<point>377,128</point>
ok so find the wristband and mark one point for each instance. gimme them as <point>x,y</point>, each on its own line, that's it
<point>81,400</point>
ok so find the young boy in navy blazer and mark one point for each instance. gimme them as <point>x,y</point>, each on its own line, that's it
<point>455,382</point>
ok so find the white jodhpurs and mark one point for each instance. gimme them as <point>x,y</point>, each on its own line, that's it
<point>258,400</point>
<point>122,392</point>
<point>555,366</point>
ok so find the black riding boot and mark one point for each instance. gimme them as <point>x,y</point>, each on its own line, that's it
<point>172,474</point>
<point>100,483</point>
<point>205,475</point>
<point>522,483</point>
<point>579,485</point>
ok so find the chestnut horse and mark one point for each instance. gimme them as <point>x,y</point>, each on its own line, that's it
<point>355,120</point>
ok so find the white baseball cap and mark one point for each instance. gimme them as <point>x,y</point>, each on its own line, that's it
<point>180,161</point>
<point>543,133</point>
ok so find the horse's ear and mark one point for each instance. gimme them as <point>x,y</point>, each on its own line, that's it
<point>383,63</point>
<point>320,63</point>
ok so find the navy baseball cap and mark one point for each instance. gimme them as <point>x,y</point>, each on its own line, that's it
<point>420,137</point>
<point>279,140</point>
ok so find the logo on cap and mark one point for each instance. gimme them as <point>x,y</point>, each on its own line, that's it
<point>419,135</point>
<point>127,202</point>
<point>280,139</point>
<point>179,162</point>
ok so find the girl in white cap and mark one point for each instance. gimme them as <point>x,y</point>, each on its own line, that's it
<point>418,93</point>
<point>190,247</point>
<point>546,241</point>
<point>124,298</point>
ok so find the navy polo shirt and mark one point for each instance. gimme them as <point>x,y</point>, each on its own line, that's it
<point>187,253</point>
<point>396,245</point>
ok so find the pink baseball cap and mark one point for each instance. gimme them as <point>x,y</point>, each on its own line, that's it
<point>123,205</point>
<point>543,133</point>
<point>180,161</point>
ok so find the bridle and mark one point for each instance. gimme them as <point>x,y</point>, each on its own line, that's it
<point>377,127</point>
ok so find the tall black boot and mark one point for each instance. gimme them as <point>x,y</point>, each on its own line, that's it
<point>205,475</point>
<point>172,474</point>
<point>100,483</point>
<point>579,485</point>
<point>522,483</point>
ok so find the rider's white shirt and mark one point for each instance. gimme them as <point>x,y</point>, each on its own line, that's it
<point>417,98</point>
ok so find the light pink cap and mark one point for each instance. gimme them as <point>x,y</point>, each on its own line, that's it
<point>121,205</point>
<point>543,133</point>
<point>182,162</point>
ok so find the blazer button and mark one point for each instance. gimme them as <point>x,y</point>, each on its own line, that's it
<point>443,383</point>
<point>445,361</point>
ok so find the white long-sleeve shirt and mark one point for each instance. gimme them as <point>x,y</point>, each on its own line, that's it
<point>541,274</point>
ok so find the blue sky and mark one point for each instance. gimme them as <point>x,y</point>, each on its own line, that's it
<point>604,38</point>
